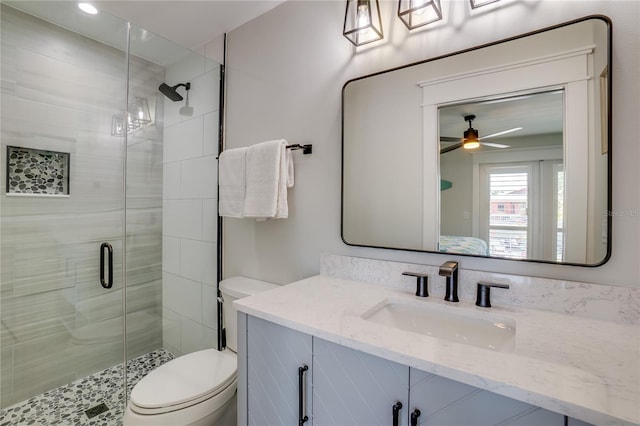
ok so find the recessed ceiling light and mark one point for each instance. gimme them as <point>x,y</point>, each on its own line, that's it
<point>88,8</point>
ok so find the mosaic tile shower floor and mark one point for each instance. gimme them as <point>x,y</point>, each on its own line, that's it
<point>66,405</point>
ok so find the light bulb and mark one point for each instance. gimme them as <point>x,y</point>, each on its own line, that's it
<point>88,8</point>
<point>363,15</point>
<point>471,145</point>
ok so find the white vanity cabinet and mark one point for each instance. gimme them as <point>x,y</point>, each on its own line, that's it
<point>345,387</point>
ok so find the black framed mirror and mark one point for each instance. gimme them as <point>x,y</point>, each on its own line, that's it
<point>502,150</point>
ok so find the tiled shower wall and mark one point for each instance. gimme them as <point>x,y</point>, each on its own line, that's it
<point>59,92</point>
<point>189,208</point>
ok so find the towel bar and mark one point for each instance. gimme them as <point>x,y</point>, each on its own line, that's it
<point>306,149</point>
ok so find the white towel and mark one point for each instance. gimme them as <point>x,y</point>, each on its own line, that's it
<point>232,182</point>
<point>268,176</point>
<point>289,158</point>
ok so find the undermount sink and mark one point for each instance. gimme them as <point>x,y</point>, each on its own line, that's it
<point>443,321</point>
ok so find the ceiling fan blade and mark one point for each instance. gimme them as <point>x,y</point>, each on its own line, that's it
<point>450,148</point>
<point>504,132</point>
<point>449,139</point>
<point>494,145</point>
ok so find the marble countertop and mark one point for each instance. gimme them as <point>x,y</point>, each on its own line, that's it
<point>584,368</point>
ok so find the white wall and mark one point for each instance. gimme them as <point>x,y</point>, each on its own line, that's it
<point>189,267</point>
<point>456,203</point>
<point>285,71</point>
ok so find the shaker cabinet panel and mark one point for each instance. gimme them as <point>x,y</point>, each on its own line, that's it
<point>354,388</point>
<point>274,354</point>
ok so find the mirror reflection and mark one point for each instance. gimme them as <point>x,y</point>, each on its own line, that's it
<point>507,159</point>
<point>510,165</point>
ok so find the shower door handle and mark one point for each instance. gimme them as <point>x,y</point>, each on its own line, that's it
<point>108,283</point>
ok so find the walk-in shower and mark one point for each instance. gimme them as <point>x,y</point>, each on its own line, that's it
<point>91,151</point>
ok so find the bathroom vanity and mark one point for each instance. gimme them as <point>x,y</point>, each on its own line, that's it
<point>339,352</point>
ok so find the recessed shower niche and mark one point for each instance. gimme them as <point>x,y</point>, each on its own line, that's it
<point>37,172</point>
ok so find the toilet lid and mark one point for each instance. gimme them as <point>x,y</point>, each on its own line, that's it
<point>186,378</point>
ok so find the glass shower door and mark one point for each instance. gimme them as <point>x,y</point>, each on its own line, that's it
<point>87,140</point>
<point>62,199</point>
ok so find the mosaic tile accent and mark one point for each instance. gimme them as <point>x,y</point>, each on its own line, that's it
<point>36,171</point>
<point>66,405</point>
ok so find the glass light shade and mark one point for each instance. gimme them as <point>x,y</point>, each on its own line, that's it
<point>117,125</point>
<point>139,112</point>
<point>471,145</point>
<point>416,13</point>
<point>479,3</point>
<point>131,123</point>
<point>362,22</point>
<point>120,126</point>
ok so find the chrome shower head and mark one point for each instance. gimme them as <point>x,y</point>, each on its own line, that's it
<point>170,91</point>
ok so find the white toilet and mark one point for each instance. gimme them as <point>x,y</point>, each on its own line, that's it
<point>198,388</point>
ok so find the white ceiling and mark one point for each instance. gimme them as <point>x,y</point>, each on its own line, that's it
<point>539,113</point>
<point>188,23</point>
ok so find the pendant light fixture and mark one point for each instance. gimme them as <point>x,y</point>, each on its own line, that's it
<point>417,13</point>
<point>362,22</point>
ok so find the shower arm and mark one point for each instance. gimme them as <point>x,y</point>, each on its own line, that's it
<point>187,86</point>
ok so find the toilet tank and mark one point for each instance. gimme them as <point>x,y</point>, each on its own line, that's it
<point>235,288</point>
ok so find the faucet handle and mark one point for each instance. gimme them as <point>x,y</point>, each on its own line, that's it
<point>483,297</point>
<point>421,283</point>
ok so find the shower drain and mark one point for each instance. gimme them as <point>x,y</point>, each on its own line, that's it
<point>98,409</point>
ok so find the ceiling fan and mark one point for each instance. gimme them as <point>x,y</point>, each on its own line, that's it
<point>471,139</point>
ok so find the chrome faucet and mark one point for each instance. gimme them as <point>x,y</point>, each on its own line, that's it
<point>449,270</point>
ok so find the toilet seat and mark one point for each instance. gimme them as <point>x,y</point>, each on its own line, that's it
<point>185,381</point>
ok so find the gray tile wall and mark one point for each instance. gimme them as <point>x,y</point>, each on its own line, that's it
<point>59,92</point>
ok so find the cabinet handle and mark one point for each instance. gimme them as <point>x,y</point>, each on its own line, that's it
<point>109,283</point>
<point>414,417</point>
<point>396,411</point>
<point>302,400</point>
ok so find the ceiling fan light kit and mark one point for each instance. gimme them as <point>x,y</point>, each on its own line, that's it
<point>472,140</point>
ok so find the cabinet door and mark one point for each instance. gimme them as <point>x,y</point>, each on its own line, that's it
<point>354,388</point>
<point>445,402</point>
<point>274,354</point>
